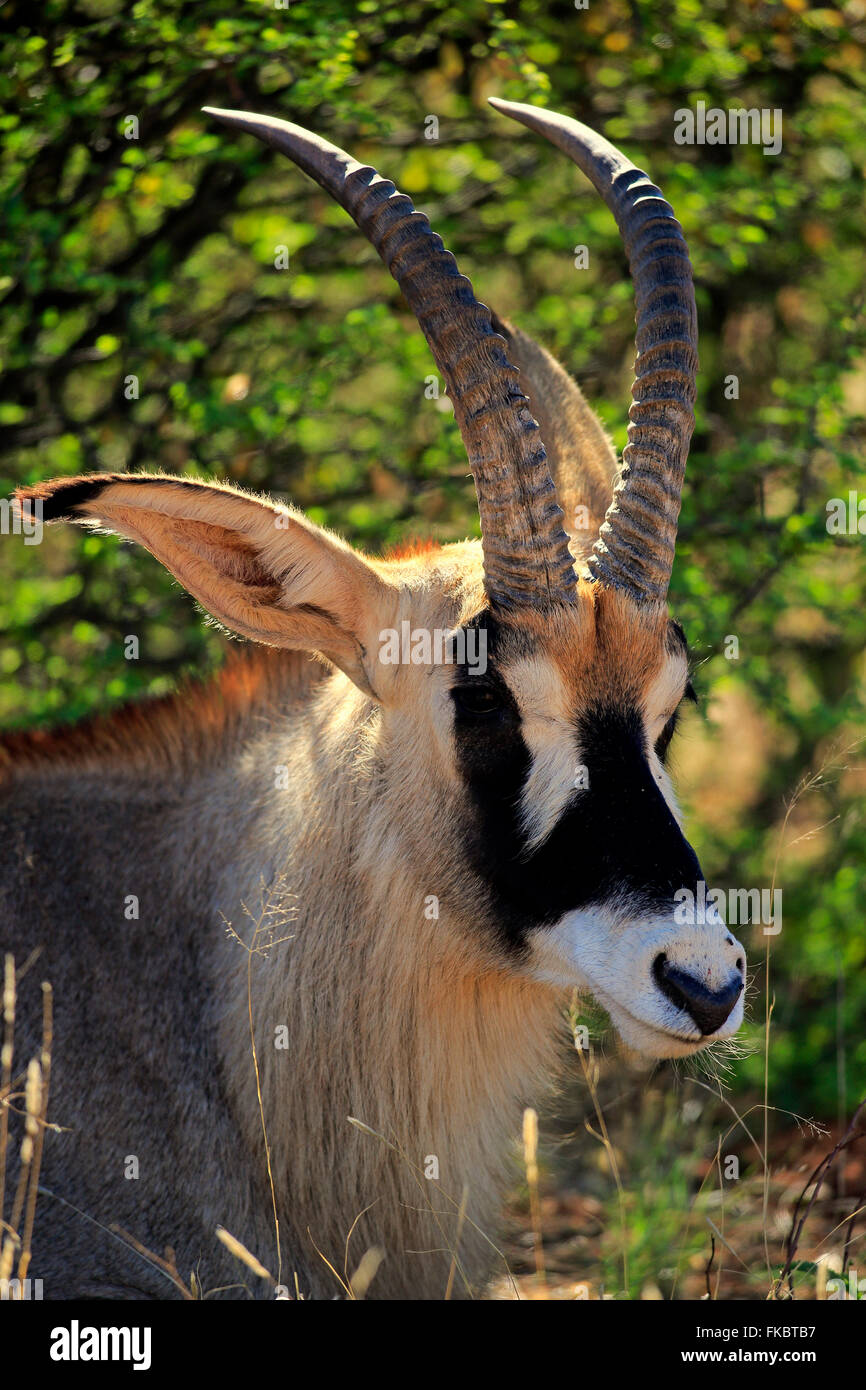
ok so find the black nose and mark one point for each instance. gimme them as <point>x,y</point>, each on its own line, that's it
<point>708,1010</point>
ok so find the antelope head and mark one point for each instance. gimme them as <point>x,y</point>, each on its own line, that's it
<point>527,792</point>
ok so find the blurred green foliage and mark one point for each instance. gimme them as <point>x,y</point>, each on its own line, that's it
<point>156,257</point>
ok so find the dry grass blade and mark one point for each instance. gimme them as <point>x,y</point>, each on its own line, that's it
<point>6,1052</point>
<point>18,1230</point>
<point>461,1217</point>
<point>423,1185</point>
<point>166,1264</point>
<point>530,1159</point>
<point>246,1256</point>
<point>267,926</point>
<point>42,1120</point>
<point>855,1131</point>
<point>366,1272</point>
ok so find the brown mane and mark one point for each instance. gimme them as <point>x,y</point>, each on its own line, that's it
<point>411,547</point>
<point>188,726</point>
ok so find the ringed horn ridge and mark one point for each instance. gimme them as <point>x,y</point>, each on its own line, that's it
<point>635,546</point>
<point>527,562</point>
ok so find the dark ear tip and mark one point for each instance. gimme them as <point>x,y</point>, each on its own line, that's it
<point>60,499</point>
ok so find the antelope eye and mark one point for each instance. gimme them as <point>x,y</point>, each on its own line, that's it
<point>476,700</point>
<point>664,739</point>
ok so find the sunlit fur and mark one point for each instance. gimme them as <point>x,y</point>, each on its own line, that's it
<point>325,800</point>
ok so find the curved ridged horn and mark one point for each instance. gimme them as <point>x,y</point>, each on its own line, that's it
<point>635,546</point>
<point>526,557</point>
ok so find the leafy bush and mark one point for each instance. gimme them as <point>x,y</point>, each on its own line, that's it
<point>153,258</point>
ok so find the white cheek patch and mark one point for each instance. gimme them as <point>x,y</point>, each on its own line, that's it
<point>549,733</point>
<point>662,698</point>
<point>666,786</point>
<point>548,729</point>
<point>665,693</point>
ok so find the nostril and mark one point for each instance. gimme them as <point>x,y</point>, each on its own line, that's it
<point>741,964</point>
<point>707,1009</point>
<point>664,976</point>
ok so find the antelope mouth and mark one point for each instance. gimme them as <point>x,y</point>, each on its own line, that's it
<point>668,993</point>
<point>655,1039</point>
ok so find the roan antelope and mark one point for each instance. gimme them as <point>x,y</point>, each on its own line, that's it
<point>451,880</point>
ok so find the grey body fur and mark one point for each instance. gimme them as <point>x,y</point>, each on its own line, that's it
<point>152,1055</point>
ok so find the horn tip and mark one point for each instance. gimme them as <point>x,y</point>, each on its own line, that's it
<point>252,122</point>
<point>221,114</point>
<point>538,118</point>
<point>269,129</point>
<point>507,108</point>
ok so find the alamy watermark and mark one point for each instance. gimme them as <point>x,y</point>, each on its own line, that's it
<point>77,1343</point>
<point>846,517</point>
<point>736,907</point>
<point>437,646</point>
<point>22,519</point>
<point>852,1288</point>
<point>20,1290</point>
<point>736,126</point>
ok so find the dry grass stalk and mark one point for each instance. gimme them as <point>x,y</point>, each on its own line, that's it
<point>18,1230</point>
<point>530,1159</point>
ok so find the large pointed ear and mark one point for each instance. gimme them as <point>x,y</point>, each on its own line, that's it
<point>259,568</point>
<point>582,458</point>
